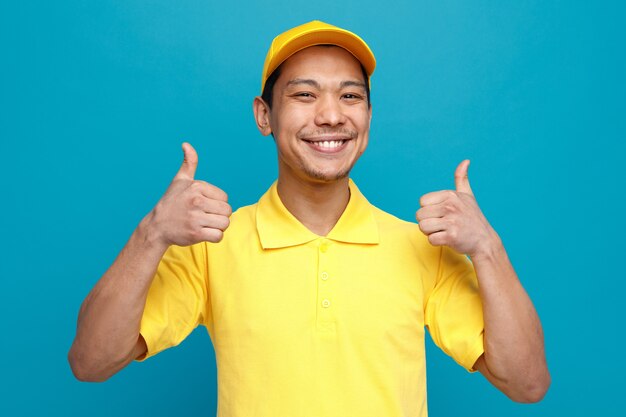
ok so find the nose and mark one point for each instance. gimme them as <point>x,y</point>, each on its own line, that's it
<point>329,111</point>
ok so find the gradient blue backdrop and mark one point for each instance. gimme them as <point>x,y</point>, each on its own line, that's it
<point>96,98</point>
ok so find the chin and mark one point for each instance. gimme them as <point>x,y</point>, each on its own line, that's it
<point>327,176</point>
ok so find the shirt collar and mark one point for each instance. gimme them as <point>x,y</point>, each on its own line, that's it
<point>278,228</point>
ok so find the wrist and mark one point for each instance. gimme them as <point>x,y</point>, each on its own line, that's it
<point>148,234</point>
<point>490,249</point>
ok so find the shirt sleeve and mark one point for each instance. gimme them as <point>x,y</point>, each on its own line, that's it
<point>177,299</point>
<point>453,312</point>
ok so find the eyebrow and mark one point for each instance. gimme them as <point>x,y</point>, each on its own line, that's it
<point>352,84</point>
<point>313,83</point>
<point>298,81</point>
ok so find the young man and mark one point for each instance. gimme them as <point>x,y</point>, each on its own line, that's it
<point>315,301</point>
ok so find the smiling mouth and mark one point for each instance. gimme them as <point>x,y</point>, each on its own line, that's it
<point>327,144</point>
<point>328,147</point>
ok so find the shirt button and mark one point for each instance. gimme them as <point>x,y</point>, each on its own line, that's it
<point>324,247</point>
<point>326,303</point>
<point>324,276</point>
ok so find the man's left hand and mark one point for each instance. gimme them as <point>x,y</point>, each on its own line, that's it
<point>453,218</point>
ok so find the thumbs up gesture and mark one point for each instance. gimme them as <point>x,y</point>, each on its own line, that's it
<point>453,218</point>
<point>191,210</point>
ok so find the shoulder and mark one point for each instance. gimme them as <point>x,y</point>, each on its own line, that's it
<point>245,213</point>
<point>242,228</point>
<point>396,231</point>
<point>242,220</point>
<point>389,221</point>
<point>392,225</point>
<point>405,241</point>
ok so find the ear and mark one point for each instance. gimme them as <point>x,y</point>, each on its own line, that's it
<point>262,116</point>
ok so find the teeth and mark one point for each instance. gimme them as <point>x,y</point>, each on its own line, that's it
<point>329,144</point>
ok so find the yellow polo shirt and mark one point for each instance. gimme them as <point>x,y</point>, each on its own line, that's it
<point>304,325</point>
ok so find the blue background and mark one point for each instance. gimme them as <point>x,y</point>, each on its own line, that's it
<point>96,98</point>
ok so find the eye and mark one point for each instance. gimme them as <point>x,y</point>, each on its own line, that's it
<point>303,95</point>
<point>352,97</point>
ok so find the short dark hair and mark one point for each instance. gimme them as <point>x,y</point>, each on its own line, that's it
<point>268,89</point>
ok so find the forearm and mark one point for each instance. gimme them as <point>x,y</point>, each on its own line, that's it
<point>109,318</point>
<point>514,348</point>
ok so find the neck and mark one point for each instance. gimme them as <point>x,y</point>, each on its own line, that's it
<point>317,205</point>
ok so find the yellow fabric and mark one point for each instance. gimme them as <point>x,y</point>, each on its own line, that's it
<point>315,33</point>
<point>304,325</point>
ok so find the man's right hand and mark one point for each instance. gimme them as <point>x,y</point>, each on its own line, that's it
<point>190,211</point>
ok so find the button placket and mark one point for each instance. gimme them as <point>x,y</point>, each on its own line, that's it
<point>325,295</point>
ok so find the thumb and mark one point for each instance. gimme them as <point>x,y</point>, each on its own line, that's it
<point>190,163</point>
<point>460,178</point>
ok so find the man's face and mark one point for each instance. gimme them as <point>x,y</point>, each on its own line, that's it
<point>320,116</point>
